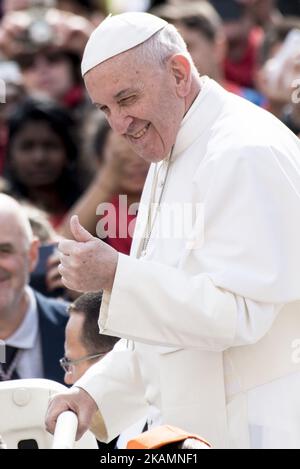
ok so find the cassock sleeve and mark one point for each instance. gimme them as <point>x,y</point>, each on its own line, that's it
<point>228,291</point>
<point>116,386</point>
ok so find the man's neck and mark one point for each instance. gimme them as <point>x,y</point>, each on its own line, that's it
<point>12,318</point>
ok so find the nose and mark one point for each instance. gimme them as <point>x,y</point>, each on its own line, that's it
<point>68,378</point>
<point>38,154</point>
<point>120,121</point>
<point>41,63</point>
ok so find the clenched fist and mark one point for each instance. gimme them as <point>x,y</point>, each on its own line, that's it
<point>78,401</point>
<point>87,263</point>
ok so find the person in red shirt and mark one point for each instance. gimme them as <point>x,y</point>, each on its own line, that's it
<point>203,31</point>
<point>243,39</point>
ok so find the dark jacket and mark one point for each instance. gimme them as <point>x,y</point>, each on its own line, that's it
<point>52,323</point>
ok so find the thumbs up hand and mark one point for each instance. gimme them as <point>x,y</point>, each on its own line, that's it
<point>87,263</point>
<point>80,234</point>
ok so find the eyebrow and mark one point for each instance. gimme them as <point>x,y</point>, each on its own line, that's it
<point>123,93</point>
<point>6,246</point>
<point>120,94</point>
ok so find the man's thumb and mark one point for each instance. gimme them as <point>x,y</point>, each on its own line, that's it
<point>80,234</point>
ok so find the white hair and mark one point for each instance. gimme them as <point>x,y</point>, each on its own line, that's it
<point>161,46</point>
<point>8,205</point>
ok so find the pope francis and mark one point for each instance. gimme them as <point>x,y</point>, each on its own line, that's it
<point>210,317</point>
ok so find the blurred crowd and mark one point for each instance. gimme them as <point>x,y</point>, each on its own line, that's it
<point>58,156</point>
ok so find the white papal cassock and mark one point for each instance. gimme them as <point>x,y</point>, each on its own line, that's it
<point>210,320</point>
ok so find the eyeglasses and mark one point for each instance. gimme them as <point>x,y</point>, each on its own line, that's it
<point>67,364</point>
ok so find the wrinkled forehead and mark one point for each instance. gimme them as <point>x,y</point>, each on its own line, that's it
<point>75,323</point>
<point>122,66</point>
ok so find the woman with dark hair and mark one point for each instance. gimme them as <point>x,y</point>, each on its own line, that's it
<point>42,157</point>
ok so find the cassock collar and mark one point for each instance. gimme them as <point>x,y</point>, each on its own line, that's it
<point>202,113</point>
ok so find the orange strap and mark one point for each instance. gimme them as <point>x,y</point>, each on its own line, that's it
<point>161,436</point>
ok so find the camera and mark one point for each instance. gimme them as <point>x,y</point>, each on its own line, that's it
<point>289,50</point>
<point>39,31</point>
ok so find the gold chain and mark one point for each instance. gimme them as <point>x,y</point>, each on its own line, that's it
<point>150,223</point>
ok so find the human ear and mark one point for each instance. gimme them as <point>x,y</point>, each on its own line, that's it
<point>33,254</point>
<point>180,68</point>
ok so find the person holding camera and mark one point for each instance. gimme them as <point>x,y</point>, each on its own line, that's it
<point>47,43</point>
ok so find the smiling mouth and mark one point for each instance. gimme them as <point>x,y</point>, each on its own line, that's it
<point>140,133</point>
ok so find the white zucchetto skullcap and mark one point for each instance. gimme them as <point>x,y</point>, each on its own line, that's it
<point>117,34</point>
